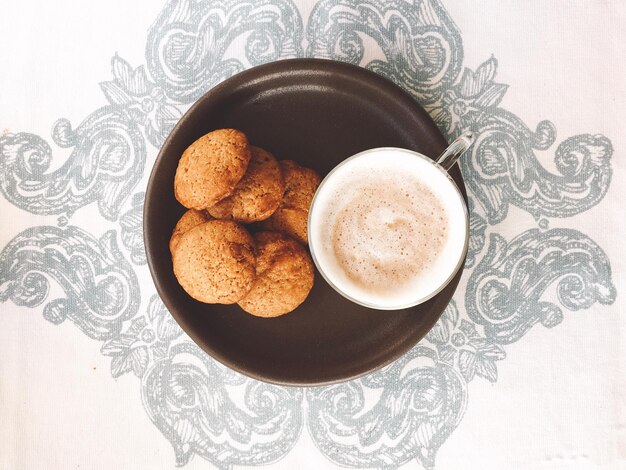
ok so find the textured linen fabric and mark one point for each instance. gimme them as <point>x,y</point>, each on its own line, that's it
<point>526,368</point>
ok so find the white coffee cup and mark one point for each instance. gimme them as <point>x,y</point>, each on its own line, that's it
<point>388,228</point>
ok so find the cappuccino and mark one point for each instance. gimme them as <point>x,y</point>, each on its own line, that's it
<point>388,228</point>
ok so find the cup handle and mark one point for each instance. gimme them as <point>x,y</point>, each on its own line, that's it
<point>457,148</point>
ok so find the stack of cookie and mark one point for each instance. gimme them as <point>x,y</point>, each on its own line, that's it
<point>225,183</point>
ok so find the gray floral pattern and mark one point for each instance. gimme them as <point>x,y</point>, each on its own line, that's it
<point>459,343</point>
<point>504,292</point>
<point>186,395</point>
<point>107,161</point>
<point>188,44</point>
<point>405,411</point>
<point>131,229</point>
<point>143,342</point>
<point>99,285</point>
<point>144,101</point>
<point>503,169</point>
<point>422,400</point>
<point>478,225</point>
<point>420,42</point>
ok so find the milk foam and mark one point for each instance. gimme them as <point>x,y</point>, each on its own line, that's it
<point>388,232</point>
<point>388,228</point>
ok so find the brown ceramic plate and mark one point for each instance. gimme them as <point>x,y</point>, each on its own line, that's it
<point>317,113</point>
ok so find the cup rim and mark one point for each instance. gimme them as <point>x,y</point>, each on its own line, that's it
<point>421,300</point>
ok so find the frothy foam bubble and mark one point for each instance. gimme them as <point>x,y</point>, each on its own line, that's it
<point>388,233</point>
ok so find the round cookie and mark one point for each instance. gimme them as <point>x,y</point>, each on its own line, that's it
<point>215,262</point>
<point>257,195</point>
<point>189,220</point>
<point>292,215</point>
<point>284,276</point>
<point>210,168</point>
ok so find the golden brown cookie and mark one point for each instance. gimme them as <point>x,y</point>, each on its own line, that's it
<point>257,195</point>
<point>215,262</point>
<point>210,168</point>
<point>291,217</point>
<point>189,220</point>
<point>284,276</point>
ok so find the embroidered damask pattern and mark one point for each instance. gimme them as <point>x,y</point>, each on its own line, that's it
<point>106,162</point>
<point>186,395</point>
<point>505,291</point>
<point>131,229</point>
<point>404,411</point>
<point>504,170</point>
<point>145,340</point>
<point>421,401</point>
<point>188,44</point>
<point>422,48</point>
<point>100,288</point>
<point>144,101</point>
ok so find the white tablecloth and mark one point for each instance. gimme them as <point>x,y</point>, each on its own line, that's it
<point>525,370</point>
